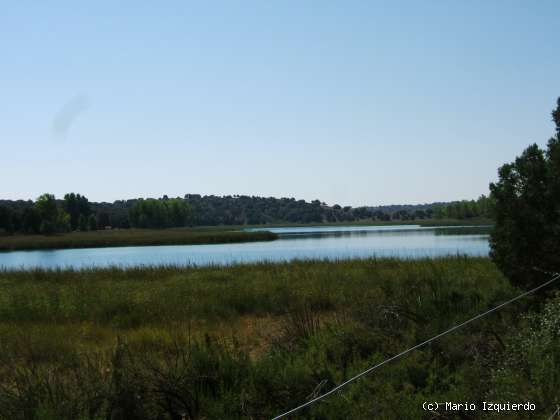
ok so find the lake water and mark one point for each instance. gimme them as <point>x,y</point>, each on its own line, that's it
<point>321,242</point>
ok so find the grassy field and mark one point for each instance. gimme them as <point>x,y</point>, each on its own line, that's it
<point>249,341</point>
<point>131,237</point>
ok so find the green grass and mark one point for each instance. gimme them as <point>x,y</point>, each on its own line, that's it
<point>130,237</point>
<point>153,295</point>
<point>249,341</point>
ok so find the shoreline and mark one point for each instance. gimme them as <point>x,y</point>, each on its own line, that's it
<point>200,235</point>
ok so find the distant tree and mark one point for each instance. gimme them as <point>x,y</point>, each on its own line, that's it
<point>195,209</point>
<point>31,221</point>
<point>6,219</point>
<point>526,202</point>
<point>179,212</point>
<point>83,223</point>
<point>48,212</point>
<point>465,209</point>
<point>92,222</point>
<point>71,207</point>
<point>103,220</point>
<point>157,214</point>
<point>63,222</point>
<point>76,205</point>
<point>420,214</point>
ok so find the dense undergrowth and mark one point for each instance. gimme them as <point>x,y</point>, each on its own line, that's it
<point>251,341</point>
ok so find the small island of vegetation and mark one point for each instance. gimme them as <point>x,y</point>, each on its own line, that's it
<point>131,237</point>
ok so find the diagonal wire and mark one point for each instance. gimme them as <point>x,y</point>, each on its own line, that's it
<point>556,412</point>
<point>417,346</point>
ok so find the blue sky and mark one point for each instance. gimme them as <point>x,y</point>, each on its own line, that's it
<point>349,102</point>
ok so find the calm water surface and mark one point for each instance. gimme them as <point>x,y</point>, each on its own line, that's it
<point>321,242</point>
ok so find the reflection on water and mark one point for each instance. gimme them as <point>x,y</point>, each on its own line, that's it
<point>464,230</point>
<point>321,242</point>
<point>391,229</point>
<point>398,230</point>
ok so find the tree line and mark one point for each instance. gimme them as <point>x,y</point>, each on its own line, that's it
<point>466,209</point>
<point>48,215</point>
<point>75,212</point>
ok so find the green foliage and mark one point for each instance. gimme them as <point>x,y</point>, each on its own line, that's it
<point>195,210</point>
<point>529,369</point>
<point>31,221</point>
<point>63,223</point>
<point>48,212</point>
<point>483,207</point>
<point>527,209</point>
<point>6,219</point>
<point>83,223</point>
<point>52,219</point>
<point>77,206</point>
<point>151,213</point>
<point>92,222</point>
<point>250,341</point>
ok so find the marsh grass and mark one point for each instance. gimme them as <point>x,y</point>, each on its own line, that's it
<point>130,237</point>
<point>245,341</point>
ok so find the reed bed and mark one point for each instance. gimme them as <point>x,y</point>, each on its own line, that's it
<point>248,341</point>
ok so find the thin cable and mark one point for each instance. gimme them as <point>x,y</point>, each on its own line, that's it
<point>556,412</point>
<point>417,346</point>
